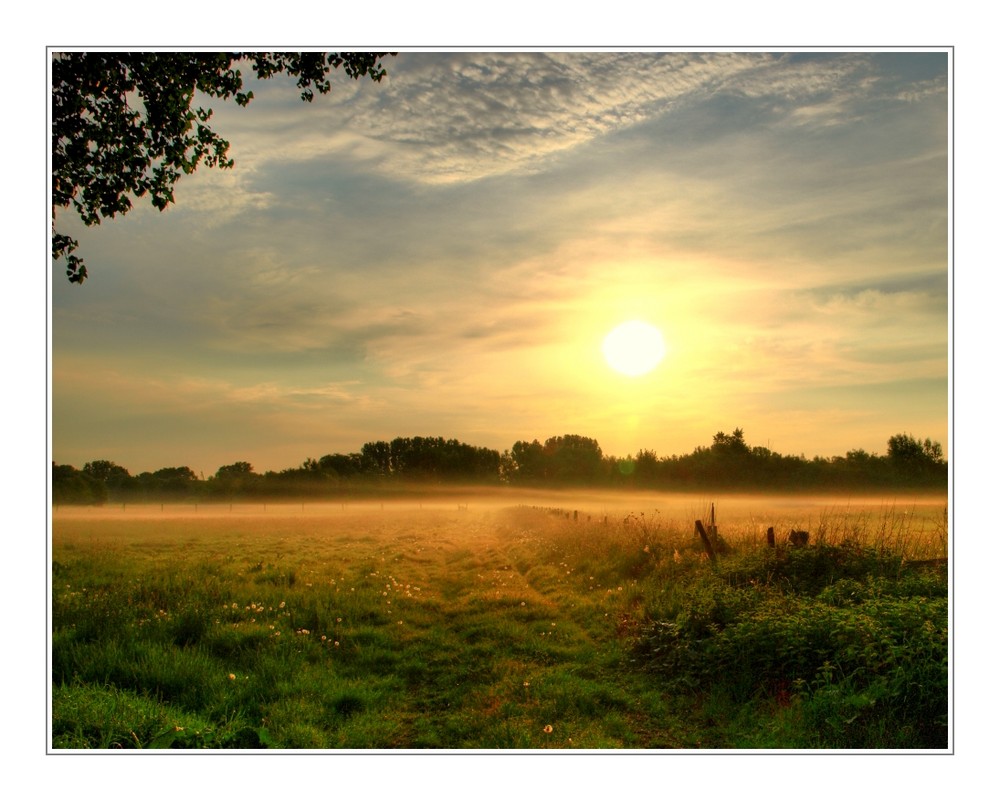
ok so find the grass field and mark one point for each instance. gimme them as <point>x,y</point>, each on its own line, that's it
<point>515,621</point>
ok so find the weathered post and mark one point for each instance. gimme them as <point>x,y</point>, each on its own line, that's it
<point>705,540</point>
<point>770,536</point>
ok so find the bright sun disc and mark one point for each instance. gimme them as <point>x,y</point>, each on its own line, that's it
<point>634,348</point>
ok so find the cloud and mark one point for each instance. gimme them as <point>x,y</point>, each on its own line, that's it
<point>454,117</point>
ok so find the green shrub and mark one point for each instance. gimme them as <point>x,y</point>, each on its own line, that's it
<point>860,655</point>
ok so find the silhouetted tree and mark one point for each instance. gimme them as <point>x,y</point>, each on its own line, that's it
<point>235,479</point>
<point>647,468</point>
<point>342,465</point>
<point>123,126</point>
<point>730,443</point>
<point>573,458</point>
<point>377,458</point>
<point>529,460</point>
<point>70,485</point>
<point>237,470</point>
<point>912,458</point>
<point>106,471</point>
<point>113,476</point>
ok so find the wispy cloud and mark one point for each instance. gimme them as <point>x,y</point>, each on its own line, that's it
<point>464,116</point>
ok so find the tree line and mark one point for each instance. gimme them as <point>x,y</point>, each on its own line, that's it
<point>570,460</point>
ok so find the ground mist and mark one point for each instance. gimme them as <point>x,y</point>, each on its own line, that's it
<point>509,621</point>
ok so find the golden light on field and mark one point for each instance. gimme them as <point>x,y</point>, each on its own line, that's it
<point>634,348</point>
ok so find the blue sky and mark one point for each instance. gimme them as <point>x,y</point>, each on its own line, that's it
<point>442,254</point>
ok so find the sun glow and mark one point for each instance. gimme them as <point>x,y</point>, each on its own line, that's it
<point>634,348</point>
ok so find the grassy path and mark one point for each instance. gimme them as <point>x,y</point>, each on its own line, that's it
<point>384,630</point>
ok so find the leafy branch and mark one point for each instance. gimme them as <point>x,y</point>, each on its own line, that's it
<point>123,125</point>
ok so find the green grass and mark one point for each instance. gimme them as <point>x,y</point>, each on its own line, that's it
<point>513,628</point>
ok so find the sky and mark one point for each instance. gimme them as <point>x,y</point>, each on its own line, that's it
<point>443,253</point>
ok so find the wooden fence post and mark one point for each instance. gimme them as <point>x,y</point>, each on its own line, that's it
<point>705,539</point>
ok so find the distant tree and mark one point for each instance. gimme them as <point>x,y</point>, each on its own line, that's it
<point>175,474</point>
<point>174,480</point>
<point>647,468</point>
<point>106,471</point>
<point>234,479</point>
<point>377,458</point>
<point>912,458</point>
<point>730,443</point>
<point>123,126</point>
<point>904,448</point>
<point>507,468</point>
<point>573,458</point>
<point>528,459</point>
<point>114,477</point>
<point>70,485</point>
<point>235,470</point>
<point>341,465</point>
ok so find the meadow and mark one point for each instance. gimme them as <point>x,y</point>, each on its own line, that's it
<point>515,620</point>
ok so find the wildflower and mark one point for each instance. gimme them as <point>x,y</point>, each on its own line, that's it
<point>336,644</point>
<point>281,605</point>
<point>547,730</point>
<point>232,677</point>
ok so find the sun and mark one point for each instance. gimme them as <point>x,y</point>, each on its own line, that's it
<point>634,348</point>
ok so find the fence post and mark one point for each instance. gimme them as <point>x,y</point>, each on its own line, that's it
<point>705,539</point>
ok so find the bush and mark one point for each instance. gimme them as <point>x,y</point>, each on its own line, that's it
<point>866,661</point>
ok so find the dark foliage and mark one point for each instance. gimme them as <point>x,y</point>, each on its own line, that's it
<point>568,460</point>
<point>123,126</point>
<point>850,640</point>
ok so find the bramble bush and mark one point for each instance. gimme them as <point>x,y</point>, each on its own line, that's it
<point>862,656</point>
